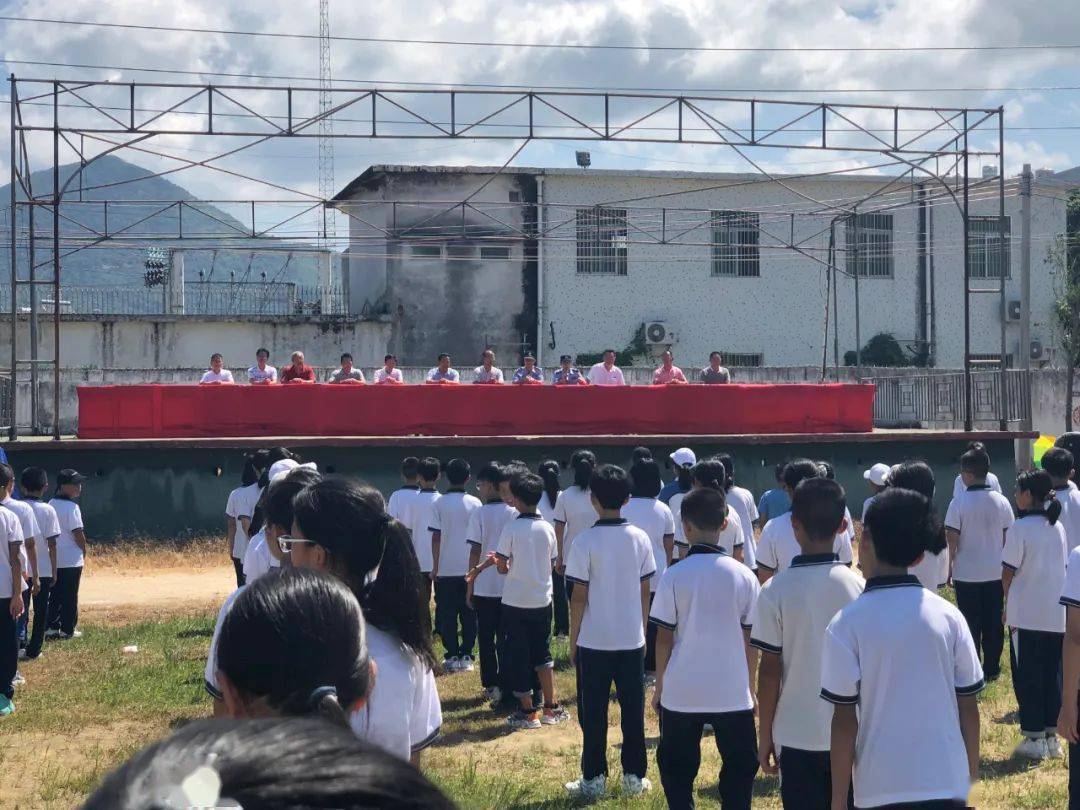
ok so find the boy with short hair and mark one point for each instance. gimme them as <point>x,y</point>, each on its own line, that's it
<point>418,518</point>
<point>11,606</point>
<point>28,554</point>
<point>398,505</point>
<point>33,483</point>
<point>702,611</point>
<point>70,557</point>
<point>610,565</point>
<point>1059,463</point>
<point>449,564</point>
<point>975,527</point>
<point>793,610</point>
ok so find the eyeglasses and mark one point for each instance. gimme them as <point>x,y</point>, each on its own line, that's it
<point>286,543</point>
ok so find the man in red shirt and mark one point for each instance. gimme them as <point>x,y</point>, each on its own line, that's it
<point>298,372</point>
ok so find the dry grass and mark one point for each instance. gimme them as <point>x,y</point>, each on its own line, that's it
<point>147,555</point>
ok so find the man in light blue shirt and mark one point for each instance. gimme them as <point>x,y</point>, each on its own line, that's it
<point>528,372</point>
<point>442,373</point>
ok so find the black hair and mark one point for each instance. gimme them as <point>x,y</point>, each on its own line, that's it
<point>33,479</point>
<point>216,356</point>
<point>1038,483</point>
<point>349,521</point>
<point>290,610</point>
<point>715,354</point>
<point>280,454</point>
<point>443,356</point>
<point>1071,442</point>
<point>901,525</point>
<point>527,487</point>
<point>683,477</point>
<point>641,453</point>
<point>917,476</point>
<point>610,485</point>
<point>778,471</point>
<point>278,507</point>
<point>566,358</point>
<point>262,350</point>
<point>250,473</point>
<point>7,475</point>
<point>512,469</point>
<point>709,473</point>
<point>729,470</point>
<point>583,462</point>
<point>975,461</point>
<point>609,351</point>
<point>1058,462</point>
<point>345,356</point>
<point>549,471</point>
<point>799,470</point>
<point>827,470</point>
<point>705,508</point>
<point>271,763</point>
<point>409,466</point>
<point>819,504</point>
<point>645,478</point>
<point>389,357</point>
<point>492,472</point>
<point>258,514</point>
<point>458,471</point>
<point>429,469</point>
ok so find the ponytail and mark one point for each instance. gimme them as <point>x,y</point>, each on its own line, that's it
<point>583,462</point>
<point>729,470</point>
<point>1040,486</point>
<point>709,473</point>
<point>549,471</point>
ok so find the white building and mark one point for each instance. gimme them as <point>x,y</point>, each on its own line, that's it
<point>706,255</point>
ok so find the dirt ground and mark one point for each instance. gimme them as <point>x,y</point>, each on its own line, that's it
<point>171,588</point>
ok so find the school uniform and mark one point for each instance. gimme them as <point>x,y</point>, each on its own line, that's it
<point>398,504</point>
<point>450,517</point>
<point>611,559</point>
<point>485,529</point>
<point>559,605</point>
<point>932,570</point>
<point>210,673</point>
<point>792,612</point>
<point>574,509</point>
<point>48,528</point>
<point>742,501</point>
<point>418,519</point>
<point>1069,498</point>
<point>10,532</point>
<point>981,516</point>
<point>656,520</point>
<point>241,504</point>
<point>732,535</point>
<point>1036,552</point>
<point>903,655</point>
<point>959,486</point>
<point>257,559</point>
<point>706,601</point>
<point>1070,600</point>
<point>64,600</point>
<point>777,546</point>
<point>29,528</point>
<point>528,544</point>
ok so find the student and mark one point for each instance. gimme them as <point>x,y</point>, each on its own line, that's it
<point>877,478</point>
<point>485,591</point>
<point>262,373</point>
<point>1071,442</point>
<point>549,472</point>
<point>655,519</point>
<point>892,659</point>
<point>932,570</point>
<point>70,556</point>
<point>574,510</point>
<point>975,527</point>
<point>1068,725</point>
<point>702,610</point>
<point>442,373</point>
<point>389,374</point>
<point>487,373</point>
<point>272,763</point>
<point>528,373</point>
<point>298,371</point>
<point>1033,574</point>
<point>606,372</point>
<point>418,518</point>
<point>28,553</point>
<point>216,375</point>
<point>238,511</point>
<point>776,501</point>
<point>991,479</point>
<point>11,606</point>
<point>568,373</point>
<point>398,505</point>
<point>610,565</point>
<point>682,460</point>
<point>829,471</point>
<point>348,373</point>
<point>1059,462</point>
<point>32,483</point>
<point>742,501</point>
<point>450,516</point>
<point>793,610</point>
<point>641,453</point>
<point>668,373</point>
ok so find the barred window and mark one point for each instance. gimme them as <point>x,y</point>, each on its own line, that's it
<point>741,359</point>
<point>986,258</point>
<point>874,257</point>
<point>425,251</point>
<point>735,240</point>
<point>601,241</point>
<point>494,251</point>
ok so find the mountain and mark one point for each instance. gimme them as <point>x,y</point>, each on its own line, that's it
<point>1072,175</point>
<point>114,179</point>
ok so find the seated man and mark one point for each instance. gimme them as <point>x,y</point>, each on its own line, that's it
<point>714,373</point>
<point>606,372</point>
<point>389,374</point>
<point>216,375</point>
<point>568,373</point>
<point>298,372</point>
<point>668,373</point>
<point>487,373</point>
<point>347,374</point>
<point>262,373</point>
<point>528,374</point>
<point>442,374</point>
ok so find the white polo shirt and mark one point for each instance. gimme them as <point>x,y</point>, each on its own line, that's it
<point>655,519</point>
<point>1070,591</point>
<point>485,529</point>
<point>777,546</point>
<point>932,570</point>
<point>450,516</point>
<point>793,610</point>
<point>731,536</point>
<point>742,501</point>
<point>68,553</point>
<point>528,542</point>
<point>241,503</point>
<point>29,528</point>
<point>574,509</point>
<point>1069,498</point>
<point>210,674</point>
<point>547,509</point>
<point>10,532</point>
<point>1036,553</point>
<point>418,519</point>
<point>902,654</point>
<point>706,600</point>
<point>262,375</point>
<point>981,516</point>
<point>612,558</point>
<point>991,481</point>
<point>398,505</point>
<point>258,559</point>
<point>211,376</point>
<point>49,526</point>
<point>599,375</point>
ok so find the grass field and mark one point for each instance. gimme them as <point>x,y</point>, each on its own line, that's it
<point>87,706</point>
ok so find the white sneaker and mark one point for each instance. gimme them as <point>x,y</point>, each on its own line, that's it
<point>451,664</point>
<point>1053,747</point>
<point>1031,749</point>
<point>635,785</point>
<point>465,664</point>
<point>18,680</point>
<point>587,789</point>
<point>73,634</point>
<point>495,697</point>
<point>22,653</point>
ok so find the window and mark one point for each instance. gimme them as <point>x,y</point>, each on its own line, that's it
<point>515,196</point>
<point>461,252</point>
<point>993,360</point>
<point>735,244</point>
<point>986,258</point>
<point>874,257</point>
<point>741,359</point>
<point>425,251</point>
<point>495,252</point>
<point>601,241</point>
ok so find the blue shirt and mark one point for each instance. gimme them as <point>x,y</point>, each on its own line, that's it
<point>571,377</point>
<point>774,502</point>
<point>519,375</point>
<point>670,489</point>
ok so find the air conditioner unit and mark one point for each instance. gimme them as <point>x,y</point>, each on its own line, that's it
<point>1012,311</point>
<point>657,333</point>
<point>1038,351</point>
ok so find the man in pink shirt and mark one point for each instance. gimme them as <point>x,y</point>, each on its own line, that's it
<point>668,373</point>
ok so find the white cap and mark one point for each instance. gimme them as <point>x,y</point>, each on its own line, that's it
<point>279,469</point>
<point>878,474</point>
<point>684,457</point>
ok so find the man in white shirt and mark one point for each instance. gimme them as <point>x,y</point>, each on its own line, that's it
<point>606,372</point>
<point>348,373</point>
<point>443,373</point>
<point>487,373</point>
<point>262,373</point>
<point>33,483</point>
<point>389,374</point>
<point>70,557</point>
<point>11,606</point>
<point>217,375</point>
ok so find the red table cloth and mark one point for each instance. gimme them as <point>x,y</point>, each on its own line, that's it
<point>193,411</point>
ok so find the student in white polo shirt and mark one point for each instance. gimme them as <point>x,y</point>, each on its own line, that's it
<point>702,608</point>
<point>1068,725</point>
<point>793,610</point>
<point>610,565</point>
<point>549,472</point>
<point>848,534</point>
<point>238,511</point>
<point>30,534</point>
<point>418,518</point>
<point>450,563</point>
<point>33,482</point>
<point>11,606</point>
<point>991,480</point>
<point>70,556</point>
<point>975,528</point>
<point>397,507</point>
<point>709,473</point>
<point>1033,574</point>
<point>877,478</point>
<point>574,512</point>
<point>901,668</point>
<point>933,569</point>
<point>1059,462</point>
<point>742,501</point>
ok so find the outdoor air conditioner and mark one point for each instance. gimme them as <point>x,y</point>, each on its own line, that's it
<point>1038,351</point>
<point>657,333</point>
<point>1012,311</point>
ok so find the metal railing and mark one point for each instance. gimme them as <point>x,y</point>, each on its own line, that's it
<point>938,399</point>
<point>7,402</point>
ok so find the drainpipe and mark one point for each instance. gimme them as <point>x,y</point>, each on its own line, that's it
<point>541,218</point>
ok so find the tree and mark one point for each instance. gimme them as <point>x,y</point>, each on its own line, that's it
<point>1065,253</point>
<point>884,351</point>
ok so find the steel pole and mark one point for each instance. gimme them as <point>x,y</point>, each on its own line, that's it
<point>13,432</point>
<point>1025,458</point>
<point>858,325</point>
<point>1003,263</point>
<point>968,422</point>
<point>56,260</point>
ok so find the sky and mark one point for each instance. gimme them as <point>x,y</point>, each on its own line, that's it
<point>1033,116</point>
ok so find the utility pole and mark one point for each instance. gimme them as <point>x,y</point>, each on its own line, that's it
<point>1024,455</point>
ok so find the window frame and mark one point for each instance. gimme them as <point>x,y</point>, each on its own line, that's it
<point>597,248</point>
<point>980,255</point>
<point>872,234</point>
<point>733,359</point>
<point>739,257</point>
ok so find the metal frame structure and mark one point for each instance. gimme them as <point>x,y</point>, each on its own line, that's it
<point>933,144</point>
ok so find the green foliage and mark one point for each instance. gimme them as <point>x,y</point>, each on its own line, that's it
<point>635,349</point>
<point>885,351</point>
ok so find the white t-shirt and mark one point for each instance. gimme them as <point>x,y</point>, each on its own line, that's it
<point>223,376</point>
<point>241,503</point>
<point>706,600</point>
<point>655,519</point>
<point>574,508</point>
<point>528,542</point>
<point>29,528</point>
<point>981,516</point>
<point>450,516</point>
<point>793,610</point>
<point>10,532</point>
<point>612,559</point>
<point>932,570</point>
<point>902,654</point>
<point>1069,497</point>
<point>382,375</point>
<point>49,526</point>
<point>418,519</point>
<point>485,529</point>
<point>262,375</point>
<point>742,501</point>
<point>258,559</point>
<point>1036,553</point>
<point>1070,591</point>
<point>777,546</point>
<point>68,553</point>
<point>210,674</point>
<point>398,505</point>
<point>547,509</point>
<point>403,713</point>
<point>991,481</point>
<point>599,375</point>
<point>482,375</point>
<point>732,536</point>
